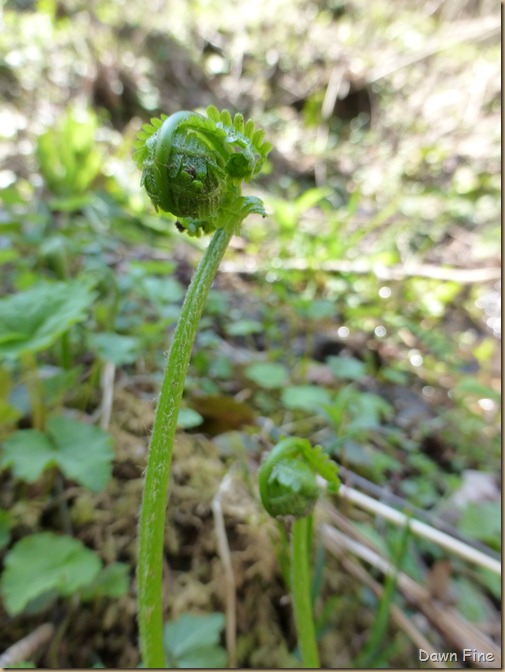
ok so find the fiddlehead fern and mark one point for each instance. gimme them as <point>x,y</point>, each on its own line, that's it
<point>288,477</point>
<point>288,487</point>
<point>193,167</point>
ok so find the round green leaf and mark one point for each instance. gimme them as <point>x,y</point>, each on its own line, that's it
<point>28,452</point>
<point>268,375</point>
<point>42,563</point>
<point>191,632</point>
<point>306,398</point>
<point>112,581</point>
<point>244,328</point>
<point>348,368</point>
<point>115,348</point>
<point>189,418</point>
<point>84,452</point>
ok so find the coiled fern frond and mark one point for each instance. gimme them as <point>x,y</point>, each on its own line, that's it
<point>193,166</point>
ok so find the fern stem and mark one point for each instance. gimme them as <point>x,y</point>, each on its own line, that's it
<point>300,586</point>
<point>155,497</point>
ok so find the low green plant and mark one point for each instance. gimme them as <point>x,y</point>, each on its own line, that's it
<point>193,167</point>
<point>35,320</point>
<point>309,398</point>
<point>68,156</point>
<point>268,375</point>
<point>42,567</point>
<point>5,525</point>
<point>373,652</point>
<point>193,641</point>
<point>82,452</point>
<point>289,490</point>
<point>23,665</point>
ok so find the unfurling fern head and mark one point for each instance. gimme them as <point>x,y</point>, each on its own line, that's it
<point>288,477</point>
<point>193,165</point>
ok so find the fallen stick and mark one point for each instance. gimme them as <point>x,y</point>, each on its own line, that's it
<point>24,649</point>
<point>420,529</point>
<point>461,633</point>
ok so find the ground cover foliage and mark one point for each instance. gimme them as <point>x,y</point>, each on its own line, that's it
<point>361,314</point>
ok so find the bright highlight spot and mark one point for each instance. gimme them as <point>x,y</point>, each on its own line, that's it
<point>415,358</point>
<point>487,404</point>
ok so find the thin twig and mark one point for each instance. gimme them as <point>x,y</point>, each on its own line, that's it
<point>399,617</point>
<point>457,630</point>
<point>225,555</point>
<point>26,648</point>
<point>384,495</point>
<point>420,529</point>
<point>107,383</point>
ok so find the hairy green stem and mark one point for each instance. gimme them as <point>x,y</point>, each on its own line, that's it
<point>154,502</point>
<point>300,586</point>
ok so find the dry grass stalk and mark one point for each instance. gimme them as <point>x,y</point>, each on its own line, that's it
<point>225,556</point>
<point>421,529</point>
<point>26,648</point>
<point>398,616</point>
<point>458,632</point>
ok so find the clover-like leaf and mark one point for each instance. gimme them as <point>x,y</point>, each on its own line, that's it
<point>310,398</point>
<point>29,452</point>
<point>45,563</point>
<point>83,452</point>
<point>112,581</point>
<point>115,348</point>
<point>268,375</point>
<point>193,641</point>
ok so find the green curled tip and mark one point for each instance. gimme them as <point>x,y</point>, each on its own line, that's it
<point>193,165</point>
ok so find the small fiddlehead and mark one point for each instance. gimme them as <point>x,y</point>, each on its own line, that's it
<point>288,487</point>
<point>288,477</point>
<point>193,167</point>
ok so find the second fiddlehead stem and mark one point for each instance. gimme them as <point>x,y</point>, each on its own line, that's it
<point>300,585</point>
<point>288,487</point>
